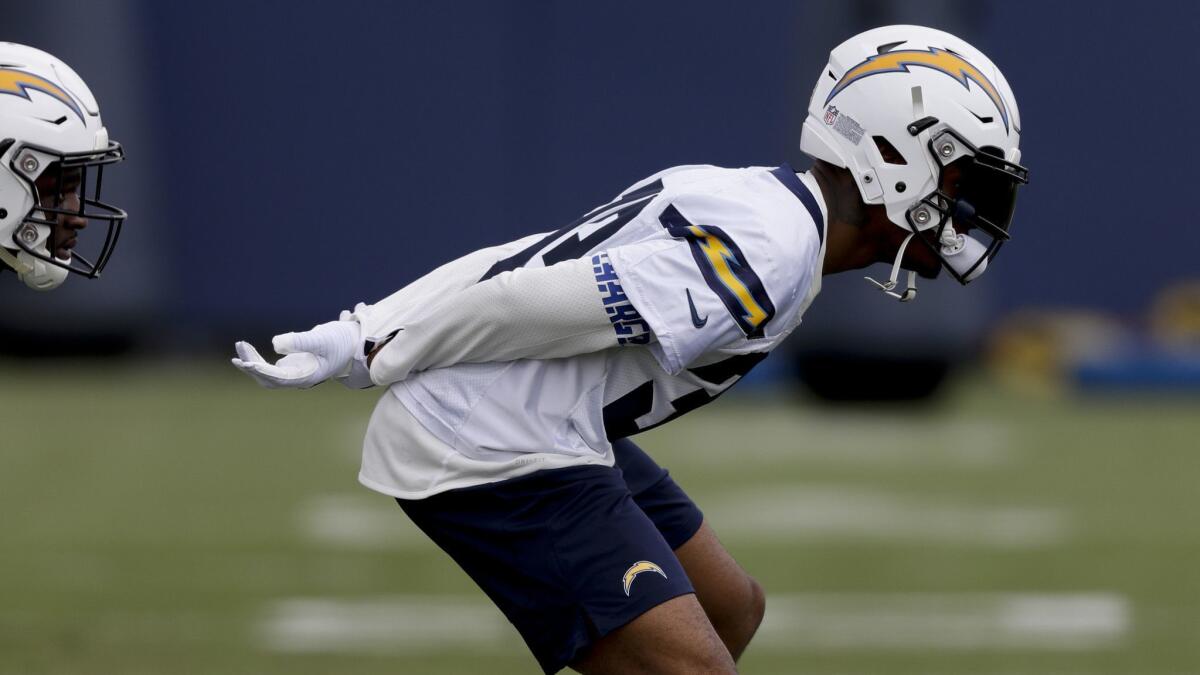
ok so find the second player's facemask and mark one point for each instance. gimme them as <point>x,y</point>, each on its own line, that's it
<point>35,236</point>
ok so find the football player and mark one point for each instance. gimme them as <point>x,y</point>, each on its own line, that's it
<point>53,151</point>
<point>517,374</point>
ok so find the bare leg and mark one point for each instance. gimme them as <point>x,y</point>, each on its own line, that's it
<point>672,638</point>
<point>732,600</point>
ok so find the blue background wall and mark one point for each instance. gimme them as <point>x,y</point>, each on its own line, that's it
<point>289,159</point>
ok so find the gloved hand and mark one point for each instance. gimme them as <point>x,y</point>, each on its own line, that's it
<point>309,358</point>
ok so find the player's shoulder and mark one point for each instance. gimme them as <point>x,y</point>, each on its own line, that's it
<point>770,212</point>
<point>675,177</point>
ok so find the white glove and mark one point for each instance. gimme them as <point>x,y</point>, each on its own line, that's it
<point>309,358</point>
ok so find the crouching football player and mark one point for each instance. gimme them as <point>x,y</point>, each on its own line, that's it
<point>517,374</point>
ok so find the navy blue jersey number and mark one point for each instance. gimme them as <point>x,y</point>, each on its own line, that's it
<point>621,416</point>
<point>625,208</point>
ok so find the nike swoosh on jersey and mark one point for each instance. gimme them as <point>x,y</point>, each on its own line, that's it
<point>696,320</point>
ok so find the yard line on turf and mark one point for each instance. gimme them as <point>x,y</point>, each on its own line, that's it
<point>367,522</point>
<point>841,513</point>
<point>967,621</point>
<point>394,624</point>
<point>801,622</point>
<point>761,516</point>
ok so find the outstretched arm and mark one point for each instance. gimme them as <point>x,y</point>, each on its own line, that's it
<point>570,308</point>
<point>573,307</point>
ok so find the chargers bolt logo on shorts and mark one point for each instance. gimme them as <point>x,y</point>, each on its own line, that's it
<point>638,568</point>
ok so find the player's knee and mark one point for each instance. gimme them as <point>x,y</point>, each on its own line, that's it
<point>704,654</point>
<point>714,664</point>
<point>740,627</point>
<point>757,606</point>
<point>746,613</point>
<point>711,659</point>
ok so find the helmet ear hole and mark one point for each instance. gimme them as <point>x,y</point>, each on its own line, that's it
<point>888,151</point>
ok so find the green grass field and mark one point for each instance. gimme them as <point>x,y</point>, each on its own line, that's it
<point>178,519</point>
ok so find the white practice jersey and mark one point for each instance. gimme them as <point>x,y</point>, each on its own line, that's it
<point>702,271</point>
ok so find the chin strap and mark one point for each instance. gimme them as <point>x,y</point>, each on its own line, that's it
<point>13,262</point>
<point>910,293</point>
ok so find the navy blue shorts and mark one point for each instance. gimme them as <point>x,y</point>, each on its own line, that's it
<point>568,555</point>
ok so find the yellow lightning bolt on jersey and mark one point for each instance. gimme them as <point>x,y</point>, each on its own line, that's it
<point>720,257</point>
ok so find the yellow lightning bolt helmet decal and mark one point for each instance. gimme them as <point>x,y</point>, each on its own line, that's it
<point>18,83</point>
<point>938,59</point>
<point>638,568</point>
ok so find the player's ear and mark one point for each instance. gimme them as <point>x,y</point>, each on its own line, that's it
<point>842,178</point>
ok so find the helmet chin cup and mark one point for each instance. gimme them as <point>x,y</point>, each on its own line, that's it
<point>952,242</point>
<point>42,276</point>
<point>31,259</point>
<point>967,256</point>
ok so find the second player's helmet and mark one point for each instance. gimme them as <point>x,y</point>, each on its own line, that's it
<point>50,128</point>
<point>896,106</point>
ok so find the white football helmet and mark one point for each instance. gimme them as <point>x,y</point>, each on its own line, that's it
<point>895,106</point>
<point>50,128</point>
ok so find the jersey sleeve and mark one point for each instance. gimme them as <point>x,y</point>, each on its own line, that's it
<point>701,286</point>
<point>528,313</point>
<point>383,317</point>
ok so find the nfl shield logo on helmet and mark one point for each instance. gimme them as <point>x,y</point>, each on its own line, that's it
<point>831,114</point>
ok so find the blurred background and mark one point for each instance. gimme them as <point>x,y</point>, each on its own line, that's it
<point>998,479</point>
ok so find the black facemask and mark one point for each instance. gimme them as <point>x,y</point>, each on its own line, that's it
<point>983,206</point>
<point>88,260</point>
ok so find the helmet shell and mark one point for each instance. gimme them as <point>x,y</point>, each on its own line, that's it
<point>879,82</point>
<point>44,104</point>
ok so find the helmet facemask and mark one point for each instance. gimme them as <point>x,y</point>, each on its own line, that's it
<point>983,203</point>
<point>34,236</point>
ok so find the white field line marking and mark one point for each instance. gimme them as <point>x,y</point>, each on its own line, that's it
<point>397,624</point>
<point>969,621</point>
<point>791,513</point>
<point>824,512</point>
<point>365,522</point>
<point>794,623</point>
